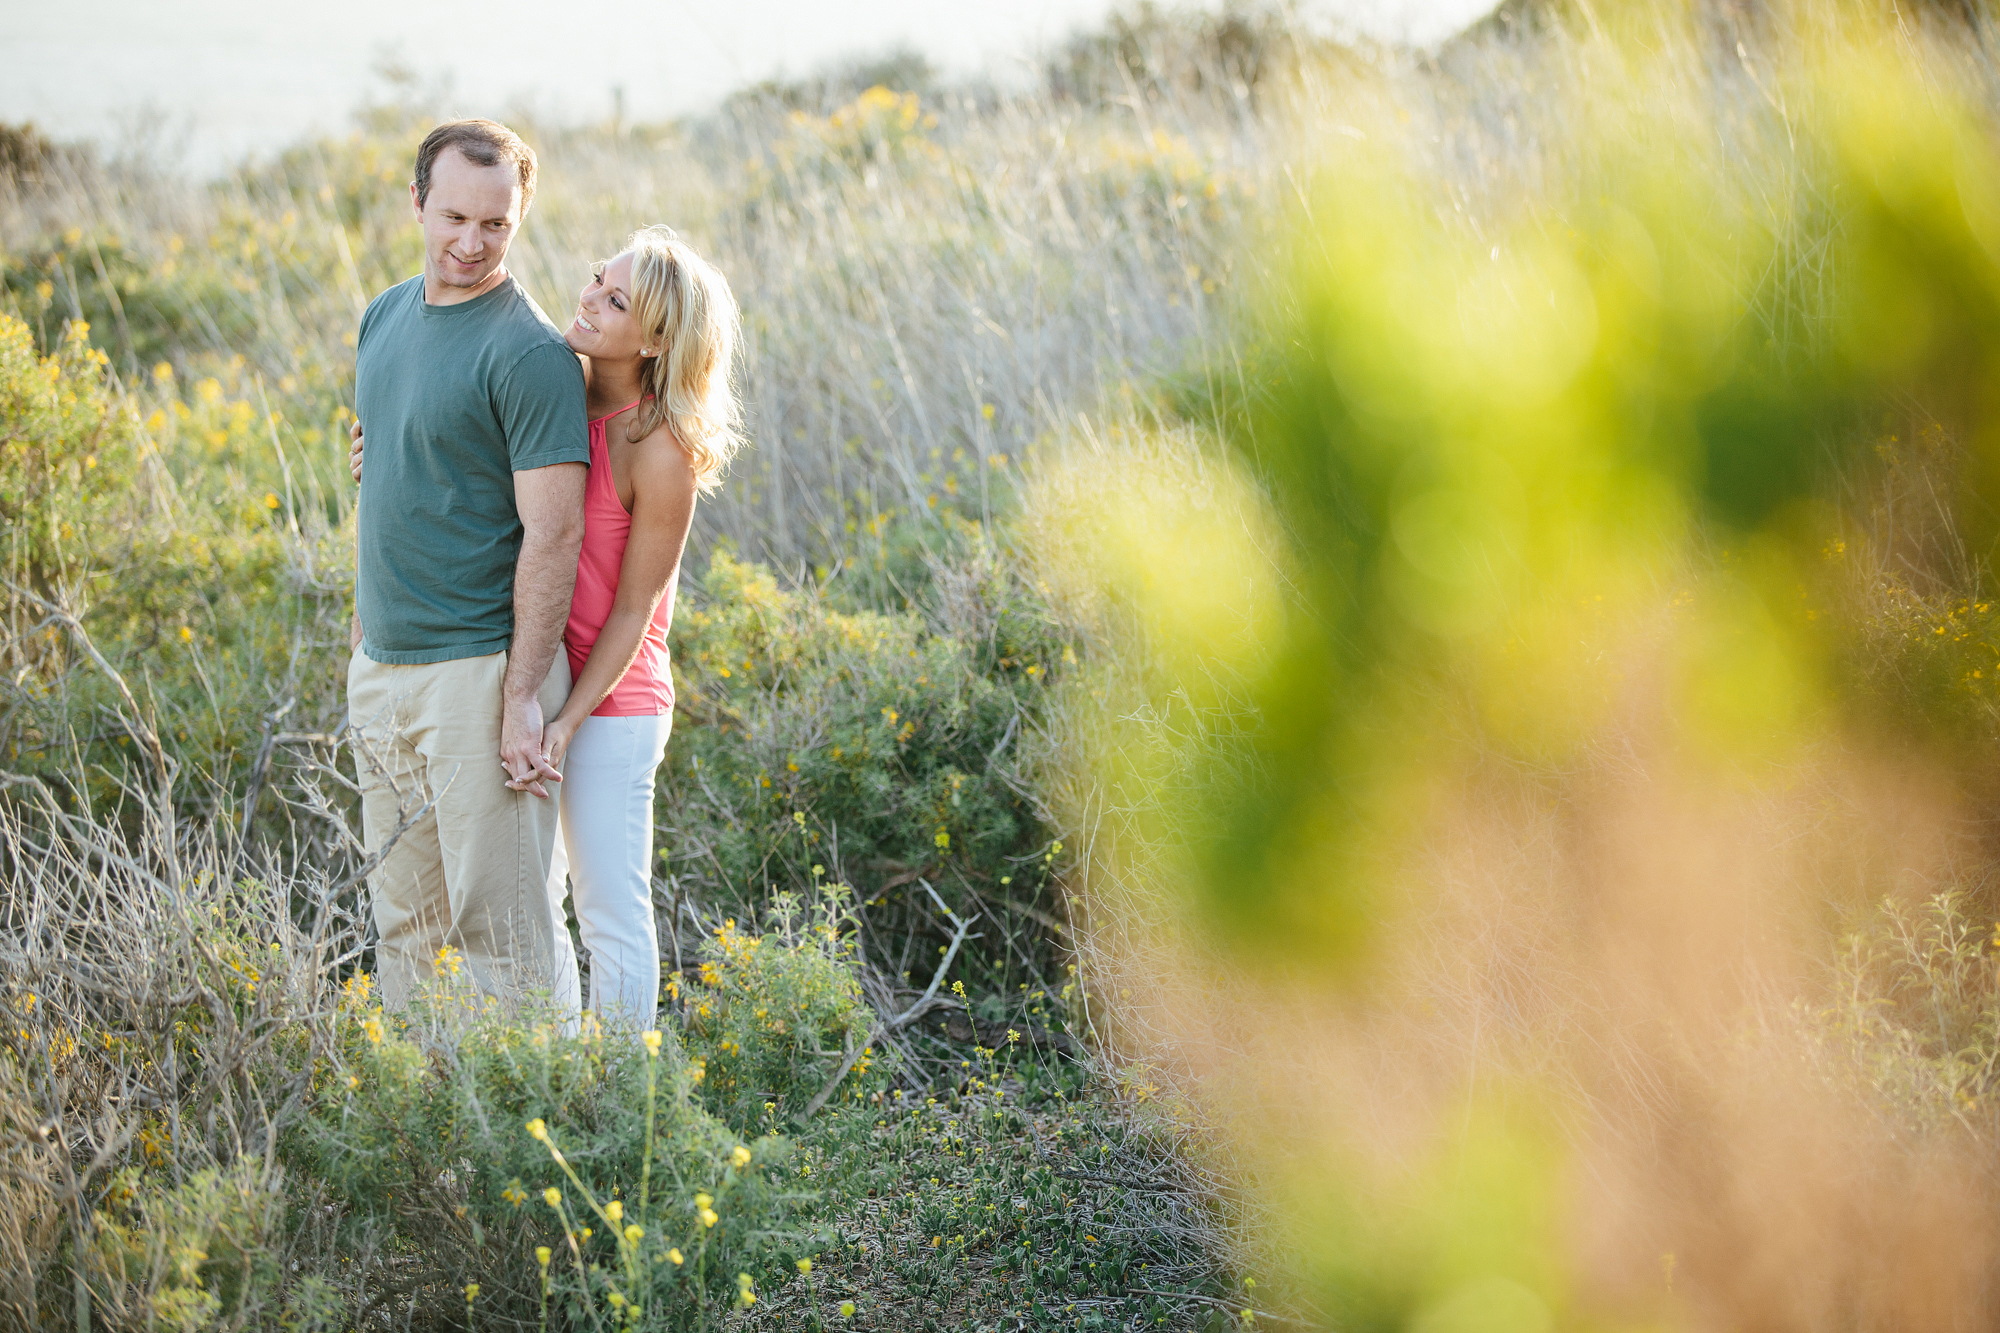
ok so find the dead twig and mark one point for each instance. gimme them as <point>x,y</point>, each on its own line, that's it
<point>925,1002</point>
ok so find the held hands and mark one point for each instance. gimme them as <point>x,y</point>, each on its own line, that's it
<point>555,743</point>
<point>524,751</point>
<point>354,454</point>
<point>556,738</point>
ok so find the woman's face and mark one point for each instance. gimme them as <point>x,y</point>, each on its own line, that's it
<point>603,328</point>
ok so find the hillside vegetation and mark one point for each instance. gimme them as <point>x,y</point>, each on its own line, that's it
<point>880,1074</point>
<point>1343,689</point>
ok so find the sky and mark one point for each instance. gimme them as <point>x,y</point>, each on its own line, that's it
<point>214,80</point>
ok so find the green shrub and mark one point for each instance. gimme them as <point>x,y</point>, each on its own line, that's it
<point>868,747</point>
<point>71,447</point>
<point>147,313</point>
<point>471,1145</point>
<point>216,589</point>
<point>182,1256</point>
<point>773,1017</point>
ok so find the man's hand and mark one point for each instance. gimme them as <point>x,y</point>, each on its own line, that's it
<point>354,635</point>
<point>528,765</point>
<point>354,454</point>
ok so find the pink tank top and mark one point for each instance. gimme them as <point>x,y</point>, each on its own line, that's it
<point>647,688</point>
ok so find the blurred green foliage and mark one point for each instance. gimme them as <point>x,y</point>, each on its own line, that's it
<point>1488,452</point>
<point>1662,456</point>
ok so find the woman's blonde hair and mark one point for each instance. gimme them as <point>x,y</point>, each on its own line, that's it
<point>684,308</point>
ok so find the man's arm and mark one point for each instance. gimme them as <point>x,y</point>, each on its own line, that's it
<point>550,502</point>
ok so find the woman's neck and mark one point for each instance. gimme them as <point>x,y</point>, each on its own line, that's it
<point>615,383</point>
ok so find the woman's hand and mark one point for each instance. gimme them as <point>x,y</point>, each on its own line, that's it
<point>354,454</point>
<point>557,736</point>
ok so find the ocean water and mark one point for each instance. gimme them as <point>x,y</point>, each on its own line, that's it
<point>206,82</point>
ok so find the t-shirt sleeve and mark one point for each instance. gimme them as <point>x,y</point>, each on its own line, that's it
<point>541,408</point>
<point>368,318</point>
<point>376,312</point>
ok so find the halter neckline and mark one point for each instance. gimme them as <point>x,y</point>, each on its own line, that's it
<point>627,408</point>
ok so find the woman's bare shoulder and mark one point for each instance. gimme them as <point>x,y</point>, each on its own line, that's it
<point>658,460</point>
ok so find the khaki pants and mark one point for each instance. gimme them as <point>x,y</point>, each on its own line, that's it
<point>473,871</point>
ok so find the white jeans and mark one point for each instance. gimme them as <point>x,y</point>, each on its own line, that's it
<point>605,846</point>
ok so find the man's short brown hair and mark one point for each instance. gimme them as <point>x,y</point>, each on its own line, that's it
<point>487,143</point>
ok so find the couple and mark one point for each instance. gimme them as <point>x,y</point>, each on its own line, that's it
<point>523,509</point>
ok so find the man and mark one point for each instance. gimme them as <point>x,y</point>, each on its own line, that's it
<point>470,516</point>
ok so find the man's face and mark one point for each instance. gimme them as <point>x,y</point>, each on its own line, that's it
<point>469,219</point>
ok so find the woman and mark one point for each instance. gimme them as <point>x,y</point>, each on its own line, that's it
<point>656,331</point>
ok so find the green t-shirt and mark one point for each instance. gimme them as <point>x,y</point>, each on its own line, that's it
<point>453,400</point>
